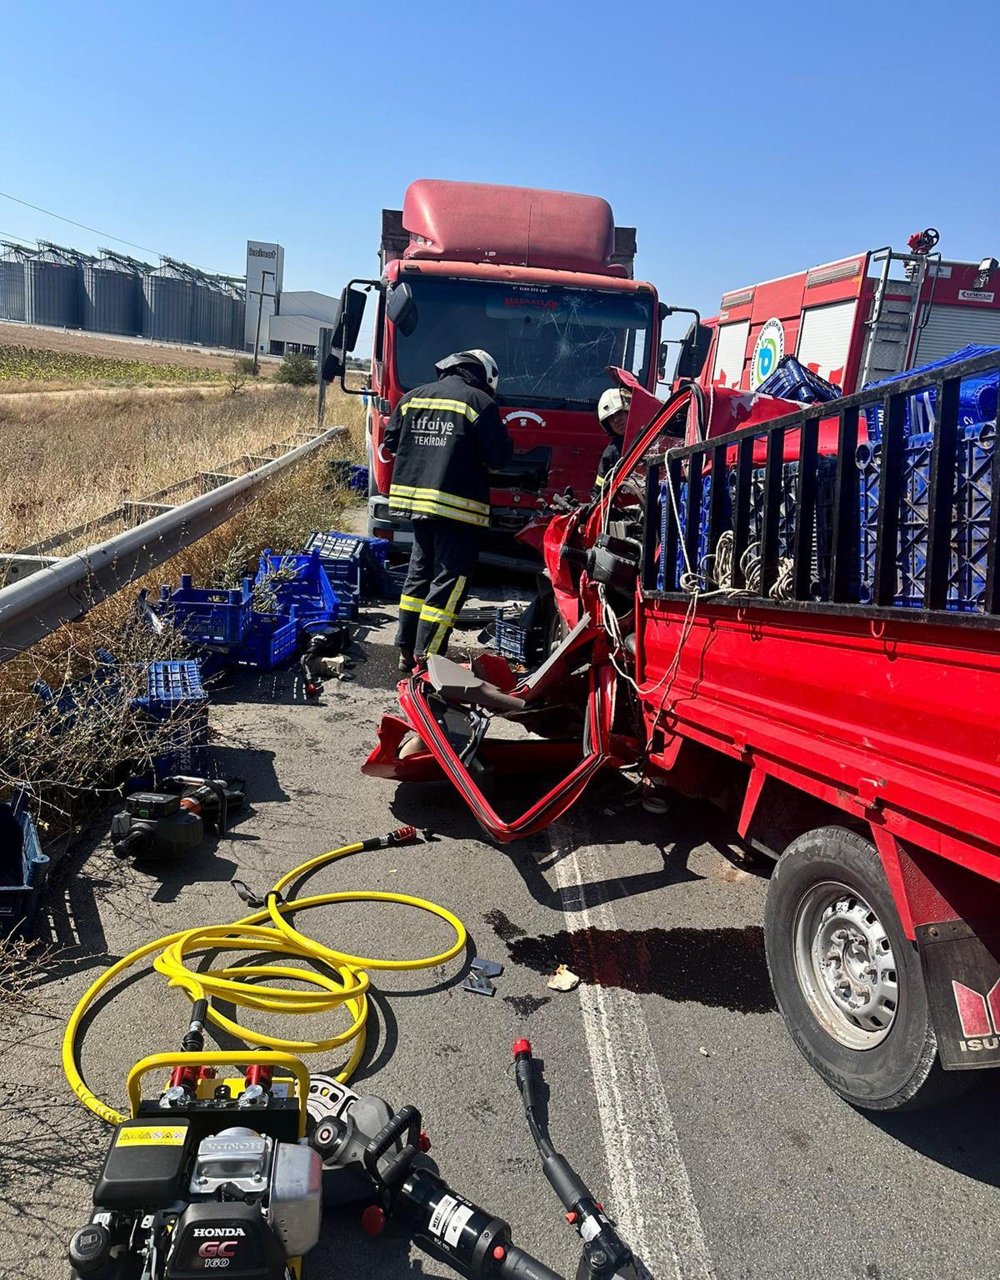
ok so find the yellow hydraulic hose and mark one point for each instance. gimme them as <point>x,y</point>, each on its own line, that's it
<point>344,980</point>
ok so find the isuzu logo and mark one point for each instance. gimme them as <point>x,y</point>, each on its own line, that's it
<point>979,1016</point>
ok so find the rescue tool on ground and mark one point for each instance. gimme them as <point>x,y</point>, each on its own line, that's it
<point>172,820</point>
<point>792,611</point>
<point>215,1173</point>
<point>235,1174</point>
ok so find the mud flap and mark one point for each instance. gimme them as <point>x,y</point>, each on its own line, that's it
<point>961,964</point>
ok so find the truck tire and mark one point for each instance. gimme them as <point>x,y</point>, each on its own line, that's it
<point>846,978</point>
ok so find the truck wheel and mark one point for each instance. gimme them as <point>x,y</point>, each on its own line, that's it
<point>846,978</point>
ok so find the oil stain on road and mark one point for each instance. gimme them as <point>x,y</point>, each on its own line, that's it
<point>721,968</point>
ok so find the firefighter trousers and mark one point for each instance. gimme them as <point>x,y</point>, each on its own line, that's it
<point>443,557</point>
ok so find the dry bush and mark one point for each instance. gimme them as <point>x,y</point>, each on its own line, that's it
<point>64,757</point>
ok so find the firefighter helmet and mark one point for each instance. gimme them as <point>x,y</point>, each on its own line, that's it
<point>480,359</point>
<point>610,403</point>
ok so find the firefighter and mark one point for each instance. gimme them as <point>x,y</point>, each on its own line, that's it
<point>612,413</point>
<point>446,436</point>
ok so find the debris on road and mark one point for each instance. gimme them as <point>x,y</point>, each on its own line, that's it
<point>564,979</point>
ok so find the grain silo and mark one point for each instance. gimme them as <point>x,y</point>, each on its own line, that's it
<point>12,296</point>
<point>202,330</point>
<point>239,307</point>
<point>112,294</point>
<point>168,307</point>
<point>54,286</point>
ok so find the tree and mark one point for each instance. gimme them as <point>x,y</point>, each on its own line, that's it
<point>297,370</point>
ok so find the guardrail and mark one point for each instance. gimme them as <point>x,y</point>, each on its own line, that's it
<point>63,590</point>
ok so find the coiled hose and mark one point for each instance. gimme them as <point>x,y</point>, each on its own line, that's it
<point>342,979</point>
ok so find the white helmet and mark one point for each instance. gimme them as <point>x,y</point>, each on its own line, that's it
<point>610,403</point>
<point>481,358</point>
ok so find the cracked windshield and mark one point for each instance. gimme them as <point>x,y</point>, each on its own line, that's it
<point>553,344</point>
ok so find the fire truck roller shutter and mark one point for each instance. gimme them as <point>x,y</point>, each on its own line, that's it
<point>950,328</point>
<point>825,338</point>
<point>730,353</point>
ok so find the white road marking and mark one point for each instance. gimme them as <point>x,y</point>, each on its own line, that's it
<point>653,1200</point>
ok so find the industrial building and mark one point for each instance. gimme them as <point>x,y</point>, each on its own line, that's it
<point>279,320</point>
<point>173,302</point>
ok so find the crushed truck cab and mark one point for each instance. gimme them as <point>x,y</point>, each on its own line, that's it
<point>740,624</point>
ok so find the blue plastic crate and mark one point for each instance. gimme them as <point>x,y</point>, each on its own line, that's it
<point>24,869</point>
<point>208,615</point>
<point>793,381</point>
<point>352,559</point>
<point>103,688</point>
<point>308,588</point>
<point>970,523</point>
<point>271,640</point>
<point>822,551</point>
<point>701,566</point>
<point>977,399</point>
<point>172,686</point>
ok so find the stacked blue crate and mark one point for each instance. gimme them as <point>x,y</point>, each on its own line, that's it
<point>793,381</point>
<point>977,397</point>
<point>969,528</point>
<point>176,704</point>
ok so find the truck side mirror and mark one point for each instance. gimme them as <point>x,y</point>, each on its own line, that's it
<point>662,356</point>
<point>352,311</point>
<point>401,309</point>
<point>333,366</point>
<point>694,351</point>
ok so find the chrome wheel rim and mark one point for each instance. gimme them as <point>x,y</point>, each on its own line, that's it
<point>845,965</point>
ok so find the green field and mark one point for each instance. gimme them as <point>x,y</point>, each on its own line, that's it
<point>30,364</point>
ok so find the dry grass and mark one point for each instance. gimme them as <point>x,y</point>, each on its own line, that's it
<point>112,348</point>
<point>63,758</point>
<point>68,459</point>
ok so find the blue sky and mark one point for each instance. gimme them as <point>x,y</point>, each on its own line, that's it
<point>743,140</point>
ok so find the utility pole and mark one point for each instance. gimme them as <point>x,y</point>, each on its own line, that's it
<point>261,295</point>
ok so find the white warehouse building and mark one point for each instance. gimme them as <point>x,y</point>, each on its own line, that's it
<point>288,320</point>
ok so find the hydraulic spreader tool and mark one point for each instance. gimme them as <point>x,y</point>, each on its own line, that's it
<point>212,1173</point>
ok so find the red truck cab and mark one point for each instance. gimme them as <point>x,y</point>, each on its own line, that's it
<point>540,279</point>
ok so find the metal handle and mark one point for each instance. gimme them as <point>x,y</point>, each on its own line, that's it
<point>219,1058</point>
<point>405,1122</point>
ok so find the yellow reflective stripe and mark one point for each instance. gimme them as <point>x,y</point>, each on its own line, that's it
<point>433,402</point>
<point>453,598</point>
<point>423,507</point>
<point>410,604</point>
<point>439,495</point>
<point>448,618</point>
<point>429,614</point>
<point>438,637</point>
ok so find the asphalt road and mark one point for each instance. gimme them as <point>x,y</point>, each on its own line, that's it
<point>674,1086</point>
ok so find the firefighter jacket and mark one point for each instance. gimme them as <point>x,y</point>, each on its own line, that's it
<point>446,436</point>
<point>609,458</point>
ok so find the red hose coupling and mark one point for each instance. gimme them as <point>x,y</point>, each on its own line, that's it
<point>257,1074</point>
<point>522,1048</point>
<point>186,1077</point>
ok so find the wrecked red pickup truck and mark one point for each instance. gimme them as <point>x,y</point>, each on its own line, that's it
<point>799,620</point>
